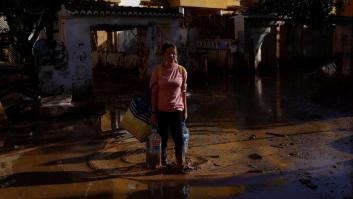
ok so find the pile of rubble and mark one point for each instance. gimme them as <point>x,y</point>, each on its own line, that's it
<point>17,97</point>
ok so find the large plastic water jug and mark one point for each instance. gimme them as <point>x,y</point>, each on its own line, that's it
<point>186,135</point>
<point>153,149</point>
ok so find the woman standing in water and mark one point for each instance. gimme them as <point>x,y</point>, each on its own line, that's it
<point>168,96</point>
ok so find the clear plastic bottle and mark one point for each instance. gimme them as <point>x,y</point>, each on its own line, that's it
<point>153,149</point>
<point>186,135</point>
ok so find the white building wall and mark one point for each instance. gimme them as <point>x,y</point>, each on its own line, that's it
<point>78,42</point>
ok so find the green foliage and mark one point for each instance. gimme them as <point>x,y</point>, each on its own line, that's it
<point>310,12</point>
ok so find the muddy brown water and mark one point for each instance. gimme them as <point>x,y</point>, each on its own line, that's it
<point>302,131</point>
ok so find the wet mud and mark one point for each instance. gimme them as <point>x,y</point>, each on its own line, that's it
<point>250,137</point>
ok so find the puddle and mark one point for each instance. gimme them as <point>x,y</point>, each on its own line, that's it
<point>186,190</point>
<point>244,102</point>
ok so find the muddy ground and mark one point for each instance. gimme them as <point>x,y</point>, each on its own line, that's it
<point>272,136</point>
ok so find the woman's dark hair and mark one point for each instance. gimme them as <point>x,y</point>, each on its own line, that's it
<point>167,45</point>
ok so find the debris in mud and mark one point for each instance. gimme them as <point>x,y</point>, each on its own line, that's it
<point>255,156</point>
<point>281,146</point>
<point>213,156</point>
<point>276,134</point>
<point>215,164</point>
<point>255,171</point>
<point>189,169</point>
<point>252,166</point>
<point>264,171</point>
<point>272,170</point>
<point>308,183</point>
<point>294,154</point>
<point>252,137</point>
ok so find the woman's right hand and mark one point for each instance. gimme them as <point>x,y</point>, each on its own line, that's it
<point>153,119</point>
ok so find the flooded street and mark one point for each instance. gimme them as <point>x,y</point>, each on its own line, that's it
<point>269,136</point>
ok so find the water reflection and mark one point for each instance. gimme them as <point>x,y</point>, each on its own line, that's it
<point>258,92</point>
<point>251,101</point>
<point>278,97</point>
<point>248,101</point>
<point>259,100</point>
<point>160,190</point>
<point>185,190</point>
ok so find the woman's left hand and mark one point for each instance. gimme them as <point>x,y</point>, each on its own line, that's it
<point>185,115</point>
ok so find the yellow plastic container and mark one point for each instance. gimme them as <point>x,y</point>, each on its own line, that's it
<point>137,127</point>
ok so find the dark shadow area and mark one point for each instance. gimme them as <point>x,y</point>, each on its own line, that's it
<point>75,160</point>
<point>134,170</point>
<point>106,195</point>
<point>344,144</point>
<point>98,156</point>
<point>66,146</point>
<point>49,178</point>
<point>54,134</point>
<point>25,179</point>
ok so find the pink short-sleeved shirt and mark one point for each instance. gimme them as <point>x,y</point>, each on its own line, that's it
<point>169,84</point>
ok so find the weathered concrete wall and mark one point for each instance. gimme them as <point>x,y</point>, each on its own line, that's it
<point>297,46</point>
<point>303,46</point>
<point>77,41</point>
<point>269,50</point>
<point>256,30</point>
<point>55,79</point>
<point>116,60</point>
